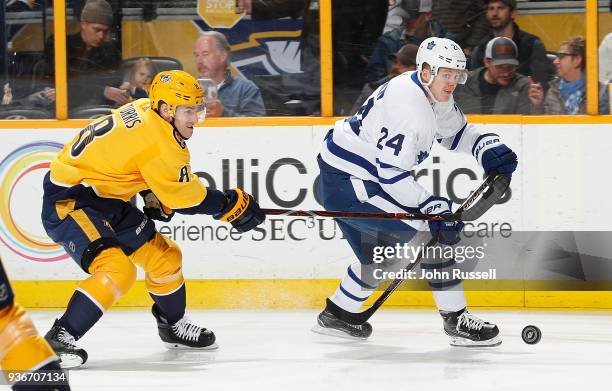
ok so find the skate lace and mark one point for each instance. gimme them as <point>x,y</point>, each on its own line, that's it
<point>186,330</point>
<point>470,321</point>
<point>66,338</point>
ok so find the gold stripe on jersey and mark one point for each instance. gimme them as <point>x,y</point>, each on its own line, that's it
<point>64,207</point>
<point>130,150</point>
<point>86,225</point>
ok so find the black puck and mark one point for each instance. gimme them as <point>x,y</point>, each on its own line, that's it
<point>531,335</point>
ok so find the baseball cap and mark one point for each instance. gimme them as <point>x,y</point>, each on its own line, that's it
<point>406,55</point>
<point>502,50</point>
<point>410,9</point>
<point>510,3</point>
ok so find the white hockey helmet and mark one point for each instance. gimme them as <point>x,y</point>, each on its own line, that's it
<point>441,53</point>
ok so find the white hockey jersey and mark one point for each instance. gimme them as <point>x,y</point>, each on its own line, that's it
<point>394,131</point>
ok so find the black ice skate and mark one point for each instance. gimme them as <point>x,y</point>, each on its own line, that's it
<point>65,347</point>
<point>465,329</point>
<point>184,334</point>
<point>334,321</point>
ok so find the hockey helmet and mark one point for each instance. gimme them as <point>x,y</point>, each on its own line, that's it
<point>441,53</point>
<point>175,88</point>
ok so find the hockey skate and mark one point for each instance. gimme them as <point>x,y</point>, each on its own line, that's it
<point>183,335</point>
<point>331,322</point>
<point>64,345</point>
<point>465,329</point>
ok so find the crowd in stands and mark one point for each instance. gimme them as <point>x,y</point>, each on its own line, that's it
<point>510,69</point>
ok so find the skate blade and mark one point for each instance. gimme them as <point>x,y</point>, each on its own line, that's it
<point>69,361</point>
<point>468,343</point>
<point>178,346</point>
<point>335,333</point>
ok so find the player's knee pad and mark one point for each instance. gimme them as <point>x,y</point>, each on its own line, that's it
<point>21,348</point>
<point>162,262</point>
<point>112,276</point>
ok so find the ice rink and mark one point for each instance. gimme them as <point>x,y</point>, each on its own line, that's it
<point>275,350</point>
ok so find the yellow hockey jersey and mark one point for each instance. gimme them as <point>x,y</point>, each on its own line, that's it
<point>128,151</point>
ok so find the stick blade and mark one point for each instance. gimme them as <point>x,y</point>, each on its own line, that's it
<point>490,197</point>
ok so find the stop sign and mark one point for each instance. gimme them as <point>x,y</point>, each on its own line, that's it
<point>219,13</point>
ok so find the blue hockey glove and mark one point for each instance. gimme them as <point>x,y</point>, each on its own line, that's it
<point>154,209</point>
<point>447,231</point>
<point>241,211</point>
<point>500,159</point>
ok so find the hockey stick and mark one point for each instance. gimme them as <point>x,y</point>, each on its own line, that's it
<point>464,213</point>
<point>492,189</point>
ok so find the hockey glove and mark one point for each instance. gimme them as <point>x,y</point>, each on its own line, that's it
<point>447,231</point>
<point>154,209</point>
<point>241,211</point>
<point>500,159</point>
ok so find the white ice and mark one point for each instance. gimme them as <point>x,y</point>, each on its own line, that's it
<point>275,350</point>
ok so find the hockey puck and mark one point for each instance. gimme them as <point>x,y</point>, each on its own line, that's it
<point>531,335</point>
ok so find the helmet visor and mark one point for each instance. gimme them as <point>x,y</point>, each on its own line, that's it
<point>196,113</point>
<point>459,76</point>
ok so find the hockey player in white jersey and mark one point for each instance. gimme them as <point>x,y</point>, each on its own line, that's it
<point>365,165</point>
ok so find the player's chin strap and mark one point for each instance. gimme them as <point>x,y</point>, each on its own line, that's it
<point>426,87</point>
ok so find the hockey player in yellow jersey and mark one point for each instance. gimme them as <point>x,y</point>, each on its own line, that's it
<point>22,350</point>
<point>139,148</point>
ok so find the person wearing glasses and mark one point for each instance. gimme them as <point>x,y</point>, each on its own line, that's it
<point>567,93</point>
<point>496,88</point>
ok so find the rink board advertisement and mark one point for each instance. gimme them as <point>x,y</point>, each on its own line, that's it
<point>557,186</point>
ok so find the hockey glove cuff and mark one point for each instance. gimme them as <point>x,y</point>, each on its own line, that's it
<point>241,211</point>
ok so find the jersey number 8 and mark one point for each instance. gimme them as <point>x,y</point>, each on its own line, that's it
<point>90,132</point>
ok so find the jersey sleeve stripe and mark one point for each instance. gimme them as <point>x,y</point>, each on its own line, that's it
<point>457,138</point>
<point>395,179</point>
<point>351,157</point>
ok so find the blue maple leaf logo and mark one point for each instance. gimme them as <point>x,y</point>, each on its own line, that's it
<point>431,45</point>
<point>422,156</point>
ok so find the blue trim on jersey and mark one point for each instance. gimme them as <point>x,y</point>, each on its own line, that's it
<point>415,79</point>
<point>351,296</point>
<point>458,138</point>
<point>351,157</point>
<point>355,125</point>
<point>480,138</point>
<point>385,165</point>
<point>358,280</point>
<point>395,179</point>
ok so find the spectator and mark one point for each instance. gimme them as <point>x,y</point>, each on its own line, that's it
<point>92,61</point>
<point>497,88</point>
<point>7,97</point>
<point>531,51</point>
<point>567,93</point>
<point>139,78</point>
<point>605,60</point>
<point>417,25</point>
<point>464,21</point>
<point>402,61</point>
<point>238,97</point>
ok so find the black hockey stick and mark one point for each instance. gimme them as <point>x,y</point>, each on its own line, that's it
<point>492,189</point>
<point>464,213</point>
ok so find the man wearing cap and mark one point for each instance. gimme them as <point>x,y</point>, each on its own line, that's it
<point>402,61</point>
<point>417,26</point>
<point>496,88</point>
<point>531,51</point>
<point>92,58</point>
